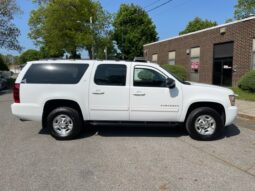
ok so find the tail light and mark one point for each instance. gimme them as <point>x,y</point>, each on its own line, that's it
<point>16,89</point>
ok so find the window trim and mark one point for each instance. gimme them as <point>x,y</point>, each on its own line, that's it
<point>108,84</point>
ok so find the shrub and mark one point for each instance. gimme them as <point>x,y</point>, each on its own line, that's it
<point>3,66</point>
<point>177,70</point>
<point>247,81</point>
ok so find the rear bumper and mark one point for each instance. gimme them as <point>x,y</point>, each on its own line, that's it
<point>231,114</point>
<point>25,112</point>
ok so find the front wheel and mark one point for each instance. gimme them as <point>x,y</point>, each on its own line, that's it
<point>64,123</point>
<point>204,124</point>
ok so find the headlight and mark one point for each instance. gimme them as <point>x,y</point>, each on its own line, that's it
<point>232,99</point>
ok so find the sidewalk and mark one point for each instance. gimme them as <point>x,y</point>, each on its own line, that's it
<point>246,109</point>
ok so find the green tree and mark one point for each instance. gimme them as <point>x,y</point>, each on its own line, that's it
<point>8,31</point>
<point>229,20</point>
<point>69,26</point>
<point>3,66</point>
<point>105,47</point>
<point>29,55</point>
<point>10,59</point>
<point>244,8</point>
<point>132,29</point>
<point>197,24</point>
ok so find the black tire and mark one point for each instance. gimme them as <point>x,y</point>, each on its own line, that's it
<point>73,115</point>
<point>206,111</point>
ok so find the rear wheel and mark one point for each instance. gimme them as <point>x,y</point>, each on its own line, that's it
<point>204,123</point>
<point>64,123</point>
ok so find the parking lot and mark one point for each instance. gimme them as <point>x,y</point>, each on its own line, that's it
<point>123,158</point>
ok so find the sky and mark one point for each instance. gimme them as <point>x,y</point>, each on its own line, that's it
<point>169,19</point>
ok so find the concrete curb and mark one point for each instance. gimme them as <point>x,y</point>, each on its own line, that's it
<point>246,116</point>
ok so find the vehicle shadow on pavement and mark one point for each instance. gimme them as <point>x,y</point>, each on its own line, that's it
<point>144,131</point>
<point>230,131</point>
<point>140,131</point>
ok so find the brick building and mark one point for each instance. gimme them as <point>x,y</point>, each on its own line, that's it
<point>218,55</point>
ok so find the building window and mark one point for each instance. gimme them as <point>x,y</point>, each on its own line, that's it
<point>171,57</point>
<point>195,59</point>
<point>154,58</point>
<point>145,53</point>
<point>253,54</point>
<point>194,64</point>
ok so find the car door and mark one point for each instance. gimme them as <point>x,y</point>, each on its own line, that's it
<point>150,99</point>
<point>109,92</point>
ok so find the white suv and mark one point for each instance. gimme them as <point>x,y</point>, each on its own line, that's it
<point>65,93</point>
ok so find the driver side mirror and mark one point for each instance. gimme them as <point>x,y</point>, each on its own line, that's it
<point>170,83</point>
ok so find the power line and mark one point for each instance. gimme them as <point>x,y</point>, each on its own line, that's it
<point>152,9</point>
<point>154,2</point>
<point>159,6</point>
<point>185,2</point>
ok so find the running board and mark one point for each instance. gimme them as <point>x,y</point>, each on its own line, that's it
<point>133,123</point>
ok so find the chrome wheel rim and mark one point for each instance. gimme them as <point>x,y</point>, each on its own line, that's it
<point>205,125</point>
<point>62,125</point>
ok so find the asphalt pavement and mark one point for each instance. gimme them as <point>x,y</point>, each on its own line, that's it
<point>123,158</point>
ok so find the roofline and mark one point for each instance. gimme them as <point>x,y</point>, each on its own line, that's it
<point>203,30</point>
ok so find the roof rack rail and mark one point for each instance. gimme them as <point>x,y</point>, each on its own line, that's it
<point>140,59</point>
<point>64,59</point>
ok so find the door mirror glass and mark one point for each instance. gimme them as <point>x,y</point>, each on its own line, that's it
<point>170,83</point>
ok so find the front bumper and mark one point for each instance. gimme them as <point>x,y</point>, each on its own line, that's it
<point>231,114</point>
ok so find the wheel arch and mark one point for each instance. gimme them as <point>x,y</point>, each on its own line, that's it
<point>218,107</point>
<point>52,104</point>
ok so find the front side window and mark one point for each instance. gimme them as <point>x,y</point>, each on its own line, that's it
<point>148,78</point>
<point>111,75</point>
<point>55,73</point>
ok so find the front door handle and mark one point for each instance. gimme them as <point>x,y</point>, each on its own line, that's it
<point>139,94</point>
<point>98,93</point>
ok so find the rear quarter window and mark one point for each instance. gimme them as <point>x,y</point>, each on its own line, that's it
<point>54,73</point>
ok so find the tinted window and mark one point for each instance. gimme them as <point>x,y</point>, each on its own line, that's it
<point>55,73</point>
<point>111,74</point>
<point>148,78</point>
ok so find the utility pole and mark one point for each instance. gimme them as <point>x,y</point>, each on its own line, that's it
<point>105,52</point>
<point>122,40</point>
<point>92,29</point>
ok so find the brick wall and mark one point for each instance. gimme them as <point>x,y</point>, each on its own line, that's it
<point>240,33</point>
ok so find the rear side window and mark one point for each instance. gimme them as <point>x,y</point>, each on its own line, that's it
<point>111,75</point>
<point>54,73</point>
